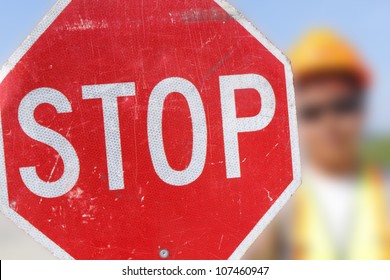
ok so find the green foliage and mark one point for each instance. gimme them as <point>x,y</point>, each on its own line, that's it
<point>377,150</point>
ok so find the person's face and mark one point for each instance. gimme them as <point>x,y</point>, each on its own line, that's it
<point>330,116</point>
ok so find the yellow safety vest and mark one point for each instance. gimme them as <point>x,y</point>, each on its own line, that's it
<point>370,237</point>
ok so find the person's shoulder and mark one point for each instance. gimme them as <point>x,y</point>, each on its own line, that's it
<point>386,176</point>
<point>386,182</point>
<point>380,172</point>
<point>385,172</point>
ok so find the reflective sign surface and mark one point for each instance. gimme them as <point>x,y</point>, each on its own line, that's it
<point>146,130</point>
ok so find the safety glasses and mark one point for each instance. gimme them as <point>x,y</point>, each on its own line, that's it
<point>341,107</point>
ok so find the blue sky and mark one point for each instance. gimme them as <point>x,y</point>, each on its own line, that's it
<point>365,23</point>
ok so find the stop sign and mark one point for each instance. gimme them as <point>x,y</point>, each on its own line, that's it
<point>145,130</point>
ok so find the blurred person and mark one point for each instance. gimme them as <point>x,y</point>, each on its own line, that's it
<point>342,210</point>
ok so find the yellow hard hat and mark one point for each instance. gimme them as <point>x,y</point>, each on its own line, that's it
<point>322,51</point>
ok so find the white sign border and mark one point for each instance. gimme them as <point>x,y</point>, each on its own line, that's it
<point>260,226</point>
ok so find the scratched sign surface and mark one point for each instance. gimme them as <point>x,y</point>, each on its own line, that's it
<point>145,130</point>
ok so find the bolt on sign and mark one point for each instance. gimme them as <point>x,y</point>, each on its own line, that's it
<point>146,130</point>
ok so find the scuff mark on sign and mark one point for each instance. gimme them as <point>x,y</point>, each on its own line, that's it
<point>13,205</point>
<point>205,15</point>
<point>84,24</point>
<point>276,145</point>
<point>220,243</point>
<point>269,195</point>
<point>54,168</point>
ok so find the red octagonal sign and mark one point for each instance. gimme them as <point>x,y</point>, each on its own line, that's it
<point>145,130</point>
